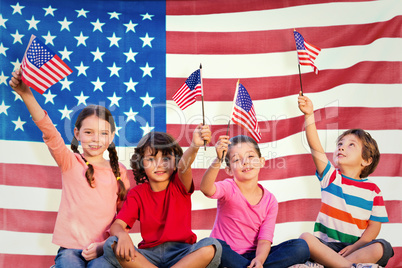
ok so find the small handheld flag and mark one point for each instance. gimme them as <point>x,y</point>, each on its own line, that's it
<point>185,95</point>
<point>41,67</point>
<point>306,52</point>
<point>243,112</point>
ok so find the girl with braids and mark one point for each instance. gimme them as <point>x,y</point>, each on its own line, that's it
<point>92,187</point>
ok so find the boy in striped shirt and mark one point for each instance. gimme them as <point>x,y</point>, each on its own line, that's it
<point>352,207</point>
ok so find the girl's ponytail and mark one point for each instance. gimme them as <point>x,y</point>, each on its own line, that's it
<point>89,174</point>
<point>114,164</point>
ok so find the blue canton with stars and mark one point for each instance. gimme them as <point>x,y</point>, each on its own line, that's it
<point>243,99</point>
<point>194,79</point>
<point>116,50</point>
<point>299,41</point>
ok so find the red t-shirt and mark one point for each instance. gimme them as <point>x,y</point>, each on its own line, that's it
<point>164,216</point>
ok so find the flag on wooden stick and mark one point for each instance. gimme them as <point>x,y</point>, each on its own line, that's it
<point>41,67</point>
<point>306,52</point>
<point>243,112</point>
<point>185,95</point>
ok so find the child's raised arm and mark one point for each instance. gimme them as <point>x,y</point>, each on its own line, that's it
<point>27,96</point>
<point>208,180</point>
<point>318,153</point>
<point>201,133</point>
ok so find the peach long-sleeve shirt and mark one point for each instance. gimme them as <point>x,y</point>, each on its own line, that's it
<point>85,213</point>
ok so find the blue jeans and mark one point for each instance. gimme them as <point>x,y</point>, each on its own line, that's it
<point>166,254</point>
<point>285,254</point>
<point>67,257</point>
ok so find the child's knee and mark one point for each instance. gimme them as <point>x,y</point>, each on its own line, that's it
<point>208,251</point>
<point>306,236</point>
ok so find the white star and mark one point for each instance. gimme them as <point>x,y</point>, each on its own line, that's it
<point>3,21</point>
<point>130,55</point>
<point>146,129</point>
<point>3,108</point>
<point>65,24</point>
<point>114,100</point>
<point>147,40</point>
<point>146,16</point>
<point>147,100</point>
<point>16,64</point>
<point>130,85</point>
<point>19,124</point>
<point>17,8</point>
<point>131,115</point>
<point>66,84</point>
<point>98,84</point>
<point>114,15</point>
<point>65,54</point>
<point>65,113</point>
<point>3,49</point>
<point>130,26</point>
<point>82,12</point>
<point>81,69</point>
<point>97,25</point>
<point>49,11</point>
<point>114,40</point>
<point>32,23</point>
<point>82,99</point>
<point>17,37</point>
<point>49,97</point>
<point>3,78</point>
<point>97,54</point>
<point>117,130</point>
<point>81,39</point>
<point>17,96</point>
<point>49,38</point>
<point>147,70</point>
<point>114,70</point>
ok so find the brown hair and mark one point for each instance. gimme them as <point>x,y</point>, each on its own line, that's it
<point>241,139</point>
<point>104,114</point>
<point>369,149</point>
<point>155,141</point>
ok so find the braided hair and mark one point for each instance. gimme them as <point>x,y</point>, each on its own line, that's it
<point>105,114</point>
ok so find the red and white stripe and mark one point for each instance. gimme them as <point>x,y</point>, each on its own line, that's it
<point>184,97</point>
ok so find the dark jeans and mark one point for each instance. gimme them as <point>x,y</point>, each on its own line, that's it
<point>284,255</point>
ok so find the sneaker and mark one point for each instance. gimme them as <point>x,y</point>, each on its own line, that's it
<point>308,264</point>
<point>366,265</point>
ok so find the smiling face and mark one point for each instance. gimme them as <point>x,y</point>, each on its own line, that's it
<point>348,153</point>
<point>95,135</point>
<point>158,168</point>
<point>244,162</point>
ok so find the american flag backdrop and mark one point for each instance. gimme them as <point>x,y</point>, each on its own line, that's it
<point>133,56</point>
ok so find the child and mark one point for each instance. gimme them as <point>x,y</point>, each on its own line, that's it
<point>92,186</point>
<point>247,212</point>
<point>162,204</point>
<point>352,207</point>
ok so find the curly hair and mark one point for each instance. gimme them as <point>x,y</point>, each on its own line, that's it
<point>369,150</point>
<point>156,142</point>
<point>104,114</point>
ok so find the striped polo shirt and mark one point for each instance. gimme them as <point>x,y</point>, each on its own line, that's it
<point>346,206</point>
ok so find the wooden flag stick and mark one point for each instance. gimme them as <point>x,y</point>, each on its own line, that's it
<point>234,101</point>
<point>301,86</point>
<point>202,100</point>
<point>227,133</point>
